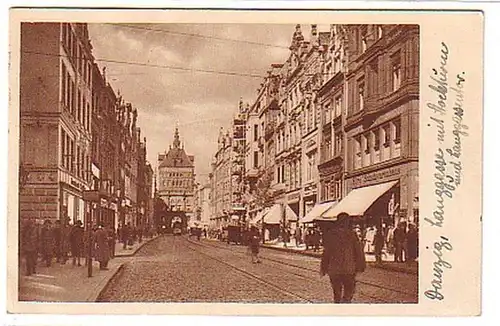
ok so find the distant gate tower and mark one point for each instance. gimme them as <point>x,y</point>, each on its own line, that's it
<point>176,184</point>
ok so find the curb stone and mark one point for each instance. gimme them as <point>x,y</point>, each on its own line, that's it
<point>116,274</point>
<point>133,252</point>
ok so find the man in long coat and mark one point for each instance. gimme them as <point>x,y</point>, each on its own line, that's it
<point>29,246</point>
<point>342,258</point>
<point>47,242</point>
<point>102,247</point>
<point>76,242</point>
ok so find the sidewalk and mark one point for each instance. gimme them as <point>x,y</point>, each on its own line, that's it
<point>68,283</point>
<point>388,263</point>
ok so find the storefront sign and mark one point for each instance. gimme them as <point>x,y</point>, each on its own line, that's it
<point>374,176</point>
<point>91,196</point>
<point>77,184</point>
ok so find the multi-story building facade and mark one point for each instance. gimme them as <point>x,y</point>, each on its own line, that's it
<point>221,180</point>
<point>347,119</point>
<point>55,120</point>
<point>76,134</point>
<point>145,187</point>
<point>176,178</point>
<point>203,203</point>
<point>227,178</point>
<point>104,148</point>
<point>382,116</point>
<point>331,101</point>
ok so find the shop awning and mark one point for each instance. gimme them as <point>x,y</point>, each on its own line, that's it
<point>358,201</point>
<point>258,217</point>
<point>290,214</point>
<point>317,211</point>
<point>274,216</point>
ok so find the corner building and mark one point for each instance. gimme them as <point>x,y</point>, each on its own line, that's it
<point>55,120</point>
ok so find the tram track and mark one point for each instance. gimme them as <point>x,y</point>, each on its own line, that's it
<point>251,275</point>
<point>280,263</point>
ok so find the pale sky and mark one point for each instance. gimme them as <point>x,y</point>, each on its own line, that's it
<point>199,102</point>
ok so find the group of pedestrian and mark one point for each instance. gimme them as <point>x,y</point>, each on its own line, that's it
<point>128,234</point>
<point>405,242</point>
<point>60,241</point>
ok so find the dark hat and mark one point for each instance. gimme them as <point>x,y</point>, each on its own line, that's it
<point>78,223</point>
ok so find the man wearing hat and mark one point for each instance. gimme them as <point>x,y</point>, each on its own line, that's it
<point>342,257</point>
<point>76,242</point>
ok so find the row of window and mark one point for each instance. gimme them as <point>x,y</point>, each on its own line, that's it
<point>176,174</point>
<point>76,52</point>
<point>74,158</point>
<point>331,112</point>
<point>291,172</point>
<point>331,190</point>
<point>377,145</point>
<point>74,99</point>
<point>177,183</point>
<point>375,78</point>
<point>331,149</point>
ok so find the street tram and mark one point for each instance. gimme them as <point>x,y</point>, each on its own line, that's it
<point>176,225</point>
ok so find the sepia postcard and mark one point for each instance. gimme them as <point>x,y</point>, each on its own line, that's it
<point>245,162</point>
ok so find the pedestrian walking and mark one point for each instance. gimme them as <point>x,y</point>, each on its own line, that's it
<point>76,242</point>
<point>58,238</point>
<point>298,236</point>
<point>378,244</point>
<point>400,242</point>
<point>316,239</point>
<point>102,247</point>
<point>140,232</point>
<point>254,244</point>
<point>119,233</point>
<point>111,241</point>
<point>342,258</point>
<point>46,242</point>
<point>125,235</point>
<point>29,246</point>
<point>412,242</point>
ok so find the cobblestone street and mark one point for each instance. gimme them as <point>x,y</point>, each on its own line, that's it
<point>177,269</point>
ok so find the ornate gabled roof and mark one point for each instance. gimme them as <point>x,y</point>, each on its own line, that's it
<point>176,156</point>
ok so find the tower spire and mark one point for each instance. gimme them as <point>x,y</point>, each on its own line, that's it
<point>177,142</point>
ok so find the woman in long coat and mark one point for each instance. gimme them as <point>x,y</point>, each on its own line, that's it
<point>102,248</point>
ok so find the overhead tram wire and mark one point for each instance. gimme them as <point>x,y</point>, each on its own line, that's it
<point>198,35</point>
<point>142,64</point>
